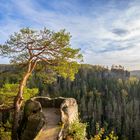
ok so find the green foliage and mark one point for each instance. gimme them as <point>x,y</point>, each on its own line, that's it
<point>5,131</point>
<point>112,99</point>
<point>111,136</point>
<point>66,69</point>
<point>50,49</point>
<point>77,130</point>
<point>9,91</point>
<point>101,134</point>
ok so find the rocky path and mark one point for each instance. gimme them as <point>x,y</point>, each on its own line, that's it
<point>51,129</point>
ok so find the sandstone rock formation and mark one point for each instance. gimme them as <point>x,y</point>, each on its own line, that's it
<point>32,121</point>
<point>34,118</point>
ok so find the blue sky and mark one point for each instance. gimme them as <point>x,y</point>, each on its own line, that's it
<point>107,31</point>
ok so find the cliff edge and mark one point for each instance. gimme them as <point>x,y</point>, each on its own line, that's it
<point>47,118</point>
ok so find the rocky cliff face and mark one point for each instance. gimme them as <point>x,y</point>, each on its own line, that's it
<point>34,119</point>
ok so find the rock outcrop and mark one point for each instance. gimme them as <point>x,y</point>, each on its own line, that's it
<point>32,122</point>
<point>69,111</point>
<point>34,119</point>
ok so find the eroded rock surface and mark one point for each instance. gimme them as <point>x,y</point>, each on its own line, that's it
<point>32,122</point>
<point>63,111</point>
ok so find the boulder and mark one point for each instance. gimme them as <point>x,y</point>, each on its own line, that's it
<point>69,111</point>
<point>32,107</point>
<point>32,122</point>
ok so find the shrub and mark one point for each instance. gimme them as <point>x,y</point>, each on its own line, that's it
<point>100,134</point>
<point>77,130</point>
<point>9,91</point>
<point>5,131</point>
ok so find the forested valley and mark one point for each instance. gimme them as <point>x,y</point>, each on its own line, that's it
<point>108,98</point>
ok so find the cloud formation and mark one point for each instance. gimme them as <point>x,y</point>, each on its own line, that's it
<point>108,32</point>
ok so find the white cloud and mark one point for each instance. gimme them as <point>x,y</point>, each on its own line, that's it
<point>91,30</point>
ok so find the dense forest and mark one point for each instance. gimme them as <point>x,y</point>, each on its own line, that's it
<point>108,97</point>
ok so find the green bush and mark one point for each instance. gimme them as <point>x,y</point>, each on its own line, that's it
<point>77,130</point>
<point>5,131</point>
<point>101,134</point>
<point>2,99</point>
<point>9,91</point>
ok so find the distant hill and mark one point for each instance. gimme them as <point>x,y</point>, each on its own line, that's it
<point>135,73</point>
<point>114,72</point>
<point>7,68</point>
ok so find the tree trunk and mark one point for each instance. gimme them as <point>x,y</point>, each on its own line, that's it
<point>15,122</point>
<point>19,99</point>
<point>17,105</point>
